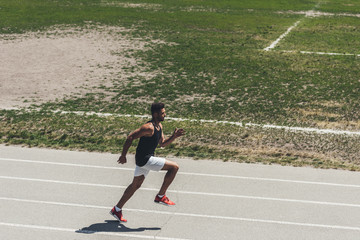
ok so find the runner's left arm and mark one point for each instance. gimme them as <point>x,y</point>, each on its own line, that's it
<point>178,132</point>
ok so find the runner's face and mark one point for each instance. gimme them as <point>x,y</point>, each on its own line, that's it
<point>162,115</point>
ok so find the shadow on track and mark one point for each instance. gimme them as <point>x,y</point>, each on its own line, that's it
<point>112,226</point>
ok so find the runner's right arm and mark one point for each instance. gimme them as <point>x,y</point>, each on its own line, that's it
<point>144,130</point>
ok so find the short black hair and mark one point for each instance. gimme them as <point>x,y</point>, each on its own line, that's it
<point>156,107</point>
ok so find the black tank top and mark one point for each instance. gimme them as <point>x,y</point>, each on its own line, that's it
<point>146,147</point>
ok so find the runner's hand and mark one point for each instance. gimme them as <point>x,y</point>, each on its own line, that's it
<point>179,132</point>
<point>122,159</point>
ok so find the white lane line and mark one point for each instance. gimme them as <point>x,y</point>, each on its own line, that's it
<point>188,173</point>
<point>187,192</point>
<point>337,227</point>
<point>16,225</point>
<point>240,124</point>
<point>64,164</point>
<point>274,180</point>
<point>273,44</point>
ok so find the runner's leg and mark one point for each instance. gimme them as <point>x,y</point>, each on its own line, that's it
<point>130,190</point>
<point>172,168</point>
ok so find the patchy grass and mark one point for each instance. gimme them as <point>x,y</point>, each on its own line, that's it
<point>202,141</point>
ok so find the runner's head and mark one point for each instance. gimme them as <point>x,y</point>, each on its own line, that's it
<point>158,111</point>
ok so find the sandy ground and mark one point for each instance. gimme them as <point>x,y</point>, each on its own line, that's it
<point>38,67</point>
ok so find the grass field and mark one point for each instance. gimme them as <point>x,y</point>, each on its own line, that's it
<point>214,67</point>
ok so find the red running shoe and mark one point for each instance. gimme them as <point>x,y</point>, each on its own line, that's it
<point>117,215</point>
<point>164,200</point>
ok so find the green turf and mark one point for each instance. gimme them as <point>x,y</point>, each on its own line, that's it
<point>341,6</point>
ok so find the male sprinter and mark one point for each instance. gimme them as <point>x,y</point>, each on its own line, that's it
<point>150,135</point>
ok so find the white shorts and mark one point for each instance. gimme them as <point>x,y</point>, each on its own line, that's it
<point>154,164</point>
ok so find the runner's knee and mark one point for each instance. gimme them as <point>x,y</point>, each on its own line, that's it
<point>136,184</point>
<point>171,166</point>
<point>175,167</point>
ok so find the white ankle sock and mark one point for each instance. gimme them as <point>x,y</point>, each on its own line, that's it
<point>117,209</point>
<point>160,196</point>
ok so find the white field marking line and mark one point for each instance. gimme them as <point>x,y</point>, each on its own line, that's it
<point>316,130</point>
<point>273,44</point>
<point>84,231</point>
<point>190,215</point>
<point>300,129</point>
<point>240,124</point>
<point>186,192</point>
<point>188,173</point>
<point>312,13</point>
<point>322,53</point>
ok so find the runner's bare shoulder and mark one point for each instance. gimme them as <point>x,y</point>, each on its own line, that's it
<point>147,129</point>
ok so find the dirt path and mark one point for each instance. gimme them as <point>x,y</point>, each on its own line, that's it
<point>45,66</point>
